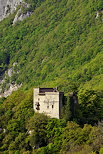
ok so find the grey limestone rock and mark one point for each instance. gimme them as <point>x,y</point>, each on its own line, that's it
<point>20,16</point>
<point>7,87</point>
<point>7,7</point>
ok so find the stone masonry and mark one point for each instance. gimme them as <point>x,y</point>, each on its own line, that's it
<point>48,101</point>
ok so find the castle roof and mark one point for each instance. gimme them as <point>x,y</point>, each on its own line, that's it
<point>43,90</point>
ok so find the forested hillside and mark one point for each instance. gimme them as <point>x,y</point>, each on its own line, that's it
<point>60,44</point>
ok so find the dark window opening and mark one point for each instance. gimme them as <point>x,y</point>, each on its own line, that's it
<point>38,106</point>
<point>52,106</point>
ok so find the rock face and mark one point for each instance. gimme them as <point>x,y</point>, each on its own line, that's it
<point>7,7</point>
<point>20,16</point>
<point>7,86</point>
<point>13,87</point>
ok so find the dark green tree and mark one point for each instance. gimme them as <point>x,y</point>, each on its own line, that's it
<point>91,106</point>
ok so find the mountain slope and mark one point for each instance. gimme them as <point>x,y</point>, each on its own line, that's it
<point>62,40</point>
<point>60,44</point>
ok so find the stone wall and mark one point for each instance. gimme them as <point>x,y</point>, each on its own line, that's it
<point>49,103</point>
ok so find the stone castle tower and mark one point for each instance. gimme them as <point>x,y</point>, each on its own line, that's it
<point>48,101</point>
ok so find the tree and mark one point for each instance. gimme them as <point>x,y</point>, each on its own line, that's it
<point>96,137</point>
<point>37,126</point>
<point>91,106</point>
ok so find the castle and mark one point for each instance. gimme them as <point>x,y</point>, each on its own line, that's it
<point>48,101</point>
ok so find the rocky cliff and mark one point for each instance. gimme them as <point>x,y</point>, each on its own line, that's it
<point>7,7</point>
<point>7,85</point>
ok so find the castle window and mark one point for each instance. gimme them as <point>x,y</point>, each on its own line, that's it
<point>52,106</point>
<point>38,106</point>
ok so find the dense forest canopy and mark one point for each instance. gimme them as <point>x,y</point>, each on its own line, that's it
<point>60,44</point>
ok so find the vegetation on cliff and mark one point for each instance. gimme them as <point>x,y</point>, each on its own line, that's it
<point>60,44</point>
<point>23,131</point>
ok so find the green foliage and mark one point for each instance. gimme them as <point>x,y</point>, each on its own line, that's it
<point>37,126</point>
<point>91,106</point>
<point>33,5</point>
<point>15,112</point>
<point>101,151</point>
<point>24,132</point>
<point>96,137</point>
<point>54,129</point>
<point>60,44</point>
<point>66,113</point>
<point>76,139</point>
